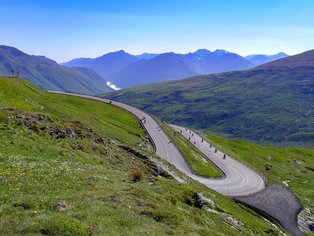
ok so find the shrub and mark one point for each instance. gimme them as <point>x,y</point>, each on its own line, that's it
<point>135,175</point>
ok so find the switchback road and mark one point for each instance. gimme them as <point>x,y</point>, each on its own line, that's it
<point>238,180</point>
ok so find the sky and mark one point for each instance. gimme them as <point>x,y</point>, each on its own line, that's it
<point>67,29</point>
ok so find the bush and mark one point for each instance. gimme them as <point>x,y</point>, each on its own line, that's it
<point>135,176</point>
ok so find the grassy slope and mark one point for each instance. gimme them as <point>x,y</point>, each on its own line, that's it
<point>107,120</point>
<point>264,105</point>
<point>293,164</point>
<point>79,186</point>
<point>198,162</point>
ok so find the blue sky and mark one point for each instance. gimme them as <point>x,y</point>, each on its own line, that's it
<point>65,29</point>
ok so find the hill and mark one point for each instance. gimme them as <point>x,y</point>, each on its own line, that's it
<point>271,104</point>
<point>105,65</point>
<point>81,167</point>
<point>47,74</point>
<point>260,59</point>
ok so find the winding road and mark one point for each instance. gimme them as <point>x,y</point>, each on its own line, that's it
<point>238,180</point>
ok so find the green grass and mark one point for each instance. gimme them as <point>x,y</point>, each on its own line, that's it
<point>293,164</point>
<point>81,186</point>
<point>199,164</point>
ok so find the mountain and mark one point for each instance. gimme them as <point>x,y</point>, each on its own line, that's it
<point>172,66</point>
<point>164,67</point>
<point>260,59</point>
<point>72,166</point>
<point>221,61</point>
<point>202,52</point>
<point>147,56</point>
<point>272,103</point>
<point>105,65</point>
<point>125,70</point>
<point>47,74</point>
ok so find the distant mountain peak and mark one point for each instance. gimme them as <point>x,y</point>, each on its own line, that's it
<point>282,54</point>
<point>118,53</point>
<point>305,59</point>
<point>220,52</point>
<point>166,54</point>
<point>259,59</point>
<point>202,52</point>
<point>106,64</point>
<point>12,50</point>
<point>147,56</point>
<point>121,51</point>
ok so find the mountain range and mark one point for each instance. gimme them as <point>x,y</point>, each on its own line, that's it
<point>48,74</point>
<point>262,59</point>
<point>272,103</point>
<point>125,70</point>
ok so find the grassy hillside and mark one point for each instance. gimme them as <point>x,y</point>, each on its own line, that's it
<point>268,105</point>
<point>47,74</point>
<point>71,166</point>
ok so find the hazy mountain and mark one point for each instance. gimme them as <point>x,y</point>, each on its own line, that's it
<point>164,67</point>
<point>202,52</point>
<point>272,103</point>
<point>105,65</point>
<point>147,56</point>
<point>48,74</point>
<point>222,61</point>
<point>262,59</point>
<point>172,66</point>
<point>125,70</point>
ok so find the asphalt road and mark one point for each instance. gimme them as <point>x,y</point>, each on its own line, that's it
<point>239,180</point>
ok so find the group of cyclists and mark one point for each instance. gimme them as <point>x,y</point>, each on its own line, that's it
<point>202,140</point>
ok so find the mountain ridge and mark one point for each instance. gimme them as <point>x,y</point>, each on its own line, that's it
<point>48,74</point>
<point>259,59</point>
<point>135,72</point>
<point>106,64</point>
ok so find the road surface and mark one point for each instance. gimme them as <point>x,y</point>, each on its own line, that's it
<point>239,180</point>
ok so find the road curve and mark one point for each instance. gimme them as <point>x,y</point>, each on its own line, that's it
<point>239,180</point>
